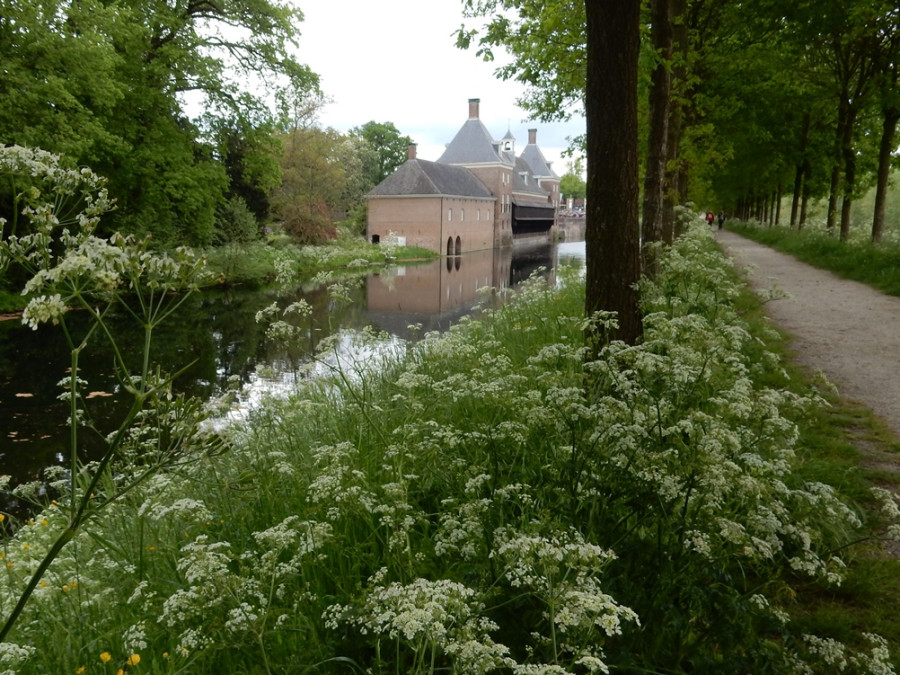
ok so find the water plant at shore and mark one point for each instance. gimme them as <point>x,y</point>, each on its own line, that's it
<point>487,500</point>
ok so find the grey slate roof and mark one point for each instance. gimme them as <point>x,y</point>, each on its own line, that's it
<point>421,177</point>
<point>530,187</point>
<point>535,158</point>
<point>473,144</point>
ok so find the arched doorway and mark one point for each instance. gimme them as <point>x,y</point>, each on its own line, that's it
<point>449,245</point>
<point>458,246</point>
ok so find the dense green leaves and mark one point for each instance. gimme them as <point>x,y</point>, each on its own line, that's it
<point>105,83</point>
<point>547,43</point>
<point>388,149</point>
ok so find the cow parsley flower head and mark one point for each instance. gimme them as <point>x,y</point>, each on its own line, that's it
<point>43,309</point>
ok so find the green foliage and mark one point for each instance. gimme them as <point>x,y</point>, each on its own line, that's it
<point>235,223</point>
<point>320,181</point>
<point>547,42</point>
<point>250,156</point>
<point>469,505</point>
<point>260,262</point>
<point>103,83</point>
<point>390,149</point>
<point>572,186</point>
<point>877,265</point>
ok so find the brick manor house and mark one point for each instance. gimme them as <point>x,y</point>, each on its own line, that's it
<point>477,195</point>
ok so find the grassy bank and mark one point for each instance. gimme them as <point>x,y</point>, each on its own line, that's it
<point>488,501</point>
<point>261,262</point>
<point>877,265</point>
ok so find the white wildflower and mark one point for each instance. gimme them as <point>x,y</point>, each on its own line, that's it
<point>43,309</point>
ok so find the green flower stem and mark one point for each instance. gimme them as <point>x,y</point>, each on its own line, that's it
<point>64,538</point>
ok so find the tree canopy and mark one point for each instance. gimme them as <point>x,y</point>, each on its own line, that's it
<point>388,149</point>
<point>740,104</point>
<point>107,84</point>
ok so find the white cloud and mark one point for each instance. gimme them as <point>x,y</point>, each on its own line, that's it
<point>396,61</point>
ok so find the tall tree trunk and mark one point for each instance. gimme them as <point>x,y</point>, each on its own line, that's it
<point>678,81</point>
<point>888,130</point>
<point>657,145</point>
<point>831,217</point>
<point>778,205</point>
<point>840,132</point>
<point>799,175</point>
<point>848,154</point>
<point>612,223</point>
<point>804,202</point>
<point>798,191</point>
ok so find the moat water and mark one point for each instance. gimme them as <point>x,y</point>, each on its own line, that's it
<point>216,337</point>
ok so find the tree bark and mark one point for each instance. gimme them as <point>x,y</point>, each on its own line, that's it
<point>798,191</point>
<point>657,145</point>
<point>833,196</point>
<point>804,202</point>
<point>848,154</point>
<point>672,192</point>
<point>888,130</point>
<point>612,223</point>
<point>778,205</point>
<point>800,175</point>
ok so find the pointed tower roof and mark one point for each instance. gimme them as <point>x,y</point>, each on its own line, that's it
<point>473,143</point>
<point>535,158</point>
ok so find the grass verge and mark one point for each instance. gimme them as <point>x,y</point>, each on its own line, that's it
<point>261,262</point>
<point>877,265</point>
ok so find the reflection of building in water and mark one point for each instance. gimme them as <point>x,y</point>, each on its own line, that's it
<point>435,295</point>
<point>479,194</point>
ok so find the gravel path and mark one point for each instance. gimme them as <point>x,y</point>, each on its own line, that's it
<point>845,329</point>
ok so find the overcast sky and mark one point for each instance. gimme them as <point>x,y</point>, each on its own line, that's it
<point>395,61</point>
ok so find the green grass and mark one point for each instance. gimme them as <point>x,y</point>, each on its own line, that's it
<point>877,265</point>
<point>844,445</point>
<point>257,263</point>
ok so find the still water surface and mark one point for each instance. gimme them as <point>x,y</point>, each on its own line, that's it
<point>217,337</point>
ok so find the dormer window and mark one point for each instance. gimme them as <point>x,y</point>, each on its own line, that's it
<point>507,146</point>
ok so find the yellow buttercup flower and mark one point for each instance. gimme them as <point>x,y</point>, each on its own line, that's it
<point>79,671</point>
<point>134,659</point>
<point>2,517</point>
<point>106,657</point>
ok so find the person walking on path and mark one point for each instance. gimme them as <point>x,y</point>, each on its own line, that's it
<point>848,330</point>
<point>721,219</point>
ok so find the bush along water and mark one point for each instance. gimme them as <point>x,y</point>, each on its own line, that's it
<point>488,500</point>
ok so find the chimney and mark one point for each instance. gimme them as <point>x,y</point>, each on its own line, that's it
<point>532,136</point>
<point>473,108</point>
<point>411,151</point>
